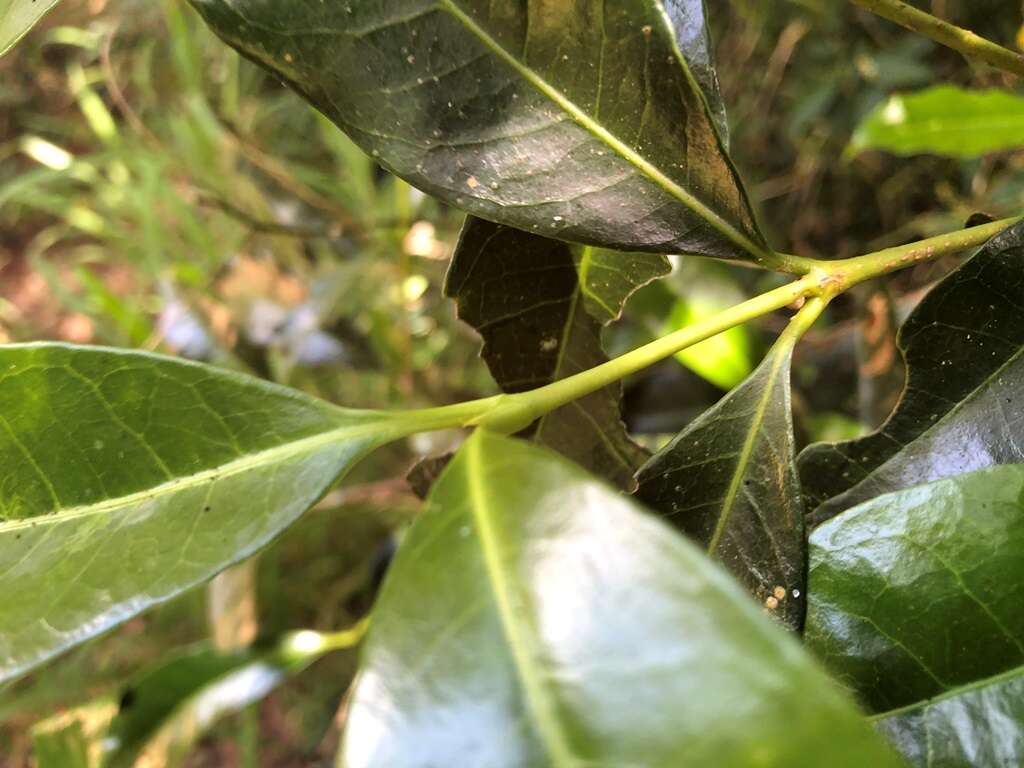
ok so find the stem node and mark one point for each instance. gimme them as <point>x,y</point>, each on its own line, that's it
<point>509,414</point>
<point>821,282</point>
<point>827,282</point>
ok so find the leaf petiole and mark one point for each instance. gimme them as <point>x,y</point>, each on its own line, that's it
<point>517,411</point>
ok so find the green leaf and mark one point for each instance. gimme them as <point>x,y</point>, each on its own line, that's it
<point>72,738</point>
<point>129,478</point>
<point>66,747</point>
<point>944,120</point>
<point>582,121</point>
<point>174,703</point>
<point>729,481</point>
<point>917,593</point>
<point>535,617</point>
<point>165,709</point>
<point>981,724</point>
<point>693,34</point>
<point>17,17</point>
<point>540,305</point>
<point>962,408</point>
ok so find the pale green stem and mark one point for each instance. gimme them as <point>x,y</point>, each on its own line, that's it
<point>443,417</point>
<point>517,411</point>
<point>962,40</point>
<point>823,281</point>
<point>850,272</point>
<point>804,319</point>
<point>787,263</point>
<point>302,647</point>
<point>346,638</point>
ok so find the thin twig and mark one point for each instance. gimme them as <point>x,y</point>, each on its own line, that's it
<point>117,94</point>
<point>260,225</point>
<point>957,38</point>
<point>251,151</point>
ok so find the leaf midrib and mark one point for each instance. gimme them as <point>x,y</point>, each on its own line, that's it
<point>952,693</point>
<point>231,468</point>
<point>539,703</point>
<point>602,134</point>
<point>729,502</point>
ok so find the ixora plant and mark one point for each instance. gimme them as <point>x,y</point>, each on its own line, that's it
<point>538,612</point>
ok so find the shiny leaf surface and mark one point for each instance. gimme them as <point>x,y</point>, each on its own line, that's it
<point>129,478</point>
<point>17,17</point>
<point>580,120</point>
<point>535,617</point>
<point>962,408</point>
<point>693,34</point>
<point>919,592</point>
<point>540,305</point>
<point>981,724</point>
<point>944,120</point>
<point>729,481</point>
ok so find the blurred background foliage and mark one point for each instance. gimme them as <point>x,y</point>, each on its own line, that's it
<point>158,192</point>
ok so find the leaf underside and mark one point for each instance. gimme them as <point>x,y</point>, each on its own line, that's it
<point>962,408</point>
<point>729,482</point>
<point>129,478</point>
<point>599,625</point>
<point>539,305</point>
<point>579,120</point>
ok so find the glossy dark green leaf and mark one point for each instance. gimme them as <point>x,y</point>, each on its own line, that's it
<point>963,406</point>
<point>944,120</point>
<point>540,305</point>
<point>729,481</point>
<point>693,33</point>
<point>128,478</point>
<point>177,701</point>
<point>534,617</point>
<point>981,724</point>
<point>919,592</point>
<point>580,120</point>
<point>17,17</point>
